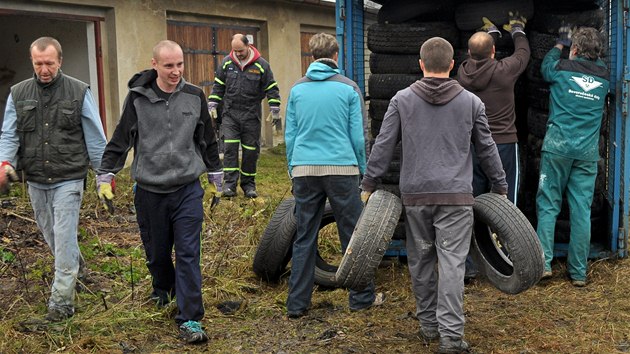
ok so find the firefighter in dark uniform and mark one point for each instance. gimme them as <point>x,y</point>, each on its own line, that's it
<point>242,80</point>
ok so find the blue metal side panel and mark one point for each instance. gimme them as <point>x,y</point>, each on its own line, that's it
<point>614,140</point>
<point>340,17</point>
<point>358,44</point>
<point>350,34</point>
<point>622,89</point>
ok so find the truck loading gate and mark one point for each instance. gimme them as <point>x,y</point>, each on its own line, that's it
<point>610,235</point>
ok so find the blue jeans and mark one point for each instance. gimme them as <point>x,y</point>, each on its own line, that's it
<point>310,199</point>
<point>57,214</point>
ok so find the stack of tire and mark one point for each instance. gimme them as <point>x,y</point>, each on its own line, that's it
<point>543,31</point>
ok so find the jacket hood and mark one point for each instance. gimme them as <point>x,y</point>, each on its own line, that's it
<point>476,74</point>
<point>141,83</point>
<point>253,59</point>
<point>438,91</point>
<point>322,69</point>
<point>142,78</point>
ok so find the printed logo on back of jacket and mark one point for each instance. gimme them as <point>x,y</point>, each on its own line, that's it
<point>586,83</point>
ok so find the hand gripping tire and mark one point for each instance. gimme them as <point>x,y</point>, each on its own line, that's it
<point>506,247</point>
<point>369,241</point>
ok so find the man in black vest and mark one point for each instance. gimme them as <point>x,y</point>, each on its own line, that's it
<point>52,128</point>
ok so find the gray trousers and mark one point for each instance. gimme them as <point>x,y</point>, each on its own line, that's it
<point>439,234</point>
<point>57,214</point>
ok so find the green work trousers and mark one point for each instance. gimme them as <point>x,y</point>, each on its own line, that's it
<point>576,178</point>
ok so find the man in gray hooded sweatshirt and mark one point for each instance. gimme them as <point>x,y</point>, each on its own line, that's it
<point>437,120</point>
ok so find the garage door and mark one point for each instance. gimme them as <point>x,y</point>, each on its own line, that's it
<point>204,45</point>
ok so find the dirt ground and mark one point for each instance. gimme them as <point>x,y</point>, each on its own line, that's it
<point>115,315</point>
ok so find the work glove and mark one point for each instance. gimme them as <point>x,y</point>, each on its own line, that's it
<point>489,27</point>
<point>105,188</point>
<point>365,195</point>
<point>212,108</point>
<point>564,35</point>
<point>7,175</point>
<point>516,23</point>
<point>215,179</point>
<point>274,117</point>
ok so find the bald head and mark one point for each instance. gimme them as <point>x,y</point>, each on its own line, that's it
<point>480,46</point>
<point>165,44</point>
<point>240,46</point>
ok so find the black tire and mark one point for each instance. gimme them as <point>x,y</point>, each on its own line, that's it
<point>538,95</point>
<point>385,86</point>
<point>378,108</point>
<point>420,10</point>
<point>275,246</point>
<point>550,21</point>
<point>375,128</point>
<point>540,44</point>
<point>537,122</point>
<point>533,70</point>
<point>505,43</point>
<point>406,38</point>
<point>370,239</point>
<point>395,64</point>
<point>325,272</point>
<point>468,14</point>
<point>507,249</point>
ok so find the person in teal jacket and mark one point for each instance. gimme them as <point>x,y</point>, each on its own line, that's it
<point>325,135</point>
<point>570,149</point>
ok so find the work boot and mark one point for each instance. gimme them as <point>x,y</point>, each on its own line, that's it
<point>450,345</point>
<point>228,193</point>
<point>251,193</point>
<point>191,332</point>
<point>56,314</point>
<point>429,334</point>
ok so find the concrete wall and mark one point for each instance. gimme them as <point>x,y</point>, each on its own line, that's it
<point>132,27</point>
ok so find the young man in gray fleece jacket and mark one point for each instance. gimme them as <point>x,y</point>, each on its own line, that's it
<point>437,120</point>
<point>166,121</point>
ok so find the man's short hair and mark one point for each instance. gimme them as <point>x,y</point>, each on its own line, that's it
<point>480,45</point>
<point>163,44</point>
<point>588,42</point>
<point>42,43</point>
<point>323,45</point>
<point>436,54</point>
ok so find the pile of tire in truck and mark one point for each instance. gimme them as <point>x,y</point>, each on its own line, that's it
<point>402,27</point>
<point>505,242</point>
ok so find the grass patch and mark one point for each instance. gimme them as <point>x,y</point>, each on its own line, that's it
<point>115,314</point>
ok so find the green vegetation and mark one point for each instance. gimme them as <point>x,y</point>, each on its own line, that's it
<point>115,314</point>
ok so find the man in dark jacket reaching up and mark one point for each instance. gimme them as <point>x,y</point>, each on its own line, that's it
<point>493,81</point>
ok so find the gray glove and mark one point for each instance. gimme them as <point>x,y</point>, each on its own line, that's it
<point>564,35</point>
<point>215,179</point>
<point>489,27</point>
<point>212,108</point>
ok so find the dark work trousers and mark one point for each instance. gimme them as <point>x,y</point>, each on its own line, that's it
<point>174,219</point>
<point>481,184</point>
<point>310,199</point>
<point>240,130</point>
